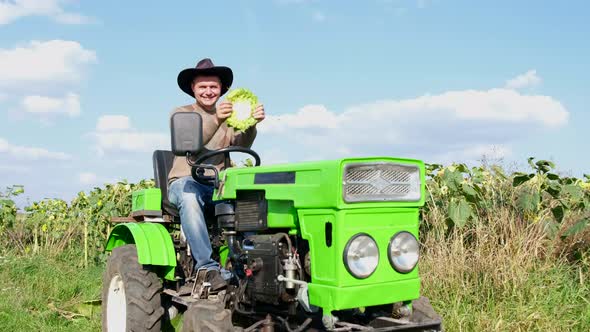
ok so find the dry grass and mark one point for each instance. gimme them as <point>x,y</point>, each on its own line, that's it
<point>502,274</point>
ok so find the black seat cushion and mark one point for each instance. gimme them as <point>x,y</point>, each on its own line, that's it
<point>163,161</point>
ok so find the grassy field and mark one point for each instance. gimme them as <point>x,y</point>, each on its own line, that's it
<point>499,253</point>
<point>508,280</point>
<point>495,288</point>
<point>42,293</point>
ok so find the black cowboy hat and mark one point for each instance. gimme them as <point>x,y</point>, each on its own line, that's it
<point>205,67</point>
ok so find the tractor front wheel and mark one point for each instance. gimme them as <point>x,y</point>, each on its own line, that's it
<point>131,294</point>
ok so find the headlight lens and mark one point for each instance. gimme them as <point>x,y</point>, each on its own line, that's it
<point>361,256</point>
<point>403,252</point>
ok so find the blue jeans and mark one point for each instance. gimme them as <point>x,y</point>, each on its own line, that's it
<point>192,200</point>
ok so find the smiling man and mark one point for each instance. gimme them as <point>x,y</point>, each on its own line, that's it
<point>206,83</point>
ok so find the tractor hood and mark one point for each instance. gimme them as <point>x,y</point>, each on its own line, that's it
<point>338,184</point>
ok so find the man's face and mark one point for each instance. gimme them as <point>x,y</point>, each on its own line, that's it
<point>207,90</point>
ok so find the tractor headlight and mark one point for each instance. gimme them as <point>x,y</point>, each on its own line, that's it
<point>403,252</point>
<point>361,256</point>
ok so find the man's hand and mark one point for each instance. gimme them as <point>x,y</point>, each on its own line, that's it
<point>224,111</point>
<point>259,114</point>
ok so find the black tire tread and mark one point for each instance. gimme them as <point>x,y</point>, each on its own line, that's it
<point>143,290</point>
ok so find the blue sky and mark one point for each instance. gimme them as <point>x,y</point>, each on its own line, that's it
<point>86,86</point>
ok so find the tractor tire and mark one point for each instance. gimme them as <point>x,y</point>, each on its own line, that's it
<point>131,294</point>
<point>423,312</point>
<point>207,316</point>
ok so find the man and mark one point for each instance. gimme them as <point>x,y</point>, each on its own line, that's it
<point>206,83</point>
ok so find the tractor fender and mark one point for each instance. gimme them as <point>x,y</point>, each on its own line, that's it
<point>153,242</point>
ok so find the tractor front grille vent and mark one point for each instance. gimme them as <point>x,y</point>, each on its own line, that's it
<point>251,210</point>
<point>369,182</point>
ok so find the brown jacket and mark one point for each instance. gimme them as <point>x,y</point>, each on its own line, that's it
<point>214,138</point>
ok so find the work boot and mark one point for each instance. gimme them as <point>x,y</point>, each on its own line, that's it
<point>216,281</point>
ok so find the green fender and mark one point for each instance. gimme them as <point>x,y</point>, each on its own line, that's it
<point>153,242</point>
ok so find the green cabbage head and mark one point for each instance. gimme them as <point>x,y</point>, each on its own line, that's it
<point>244,103</point>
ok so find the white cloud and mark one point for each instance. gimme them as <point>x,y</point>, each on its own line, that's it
<point>492,105</point>
<point>69,104</point>
<point>528,79</point>
<point>474,153</point>
<point>464,125</point>
<point>131,141</point>
<point>49,61</point>
<point>468,105</point>
<point>309,116</point>
<point>115,133</point>
<point>12,10</point>
<point>274,156</point>
<point>92,179</point>
<point>87,178</point>
<point>113,122</point>
<point>30,153</point>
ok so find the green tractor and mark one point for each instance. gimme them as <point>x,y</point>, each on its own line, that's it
<point>328,245</point>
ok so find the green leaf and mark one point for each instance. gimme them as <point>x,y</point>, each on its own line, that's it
<point>529,201</point>
<point>462,168</point>
<point>558,213</point>
<point>576,192</point>
<point>521,178</point>
<point>567,180</point>
<point>544,165</point>
<point>452,179</point>
<point>459,212</point>
<point>17,190</point>
<point>477,175</point>
<point>553,189</point>
<point>530,160</point>
<point>432,168</point>
<point>552,176</point>
<point>576,228</point>
<point>469,192</point>
<point>7,202</point>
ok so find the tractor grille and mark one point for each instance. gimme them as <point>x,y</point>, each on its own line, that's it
<point>381,182</point>
<point>251,210</point>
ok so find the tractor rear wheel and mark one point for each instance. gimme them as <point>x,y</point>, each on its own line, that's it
<point>131,294</point>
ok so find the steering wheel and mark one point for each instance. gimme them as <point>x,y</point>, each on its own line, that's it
<point>198,170</point>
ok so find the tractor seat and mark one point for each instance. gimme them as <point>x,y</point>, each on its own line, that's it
<point>163,161</point>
